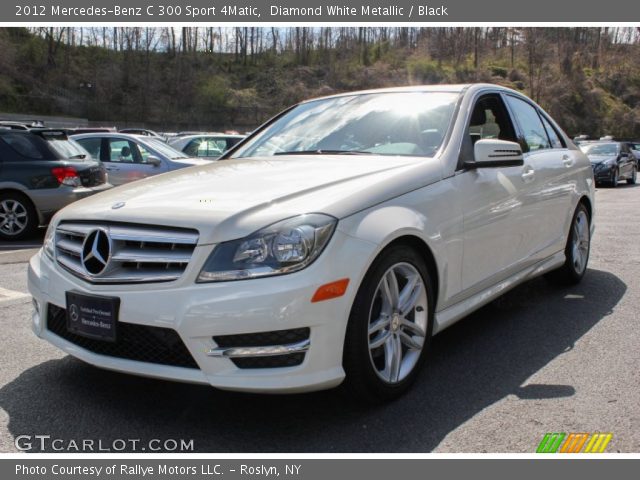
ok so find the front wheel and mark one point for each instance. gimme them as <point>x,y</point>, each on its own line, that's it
<point>390,326</point>
<point>632,179</point>
<point>615,178</point>
<point>576,251</point>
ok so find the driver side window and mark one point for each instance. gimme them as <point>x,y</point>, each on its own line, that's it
<point>489,119</point>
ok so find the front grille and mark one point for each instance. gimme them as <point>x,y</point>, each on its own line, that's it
<point>138,253</point>
<point>265,339</point>
<point>134,342</point>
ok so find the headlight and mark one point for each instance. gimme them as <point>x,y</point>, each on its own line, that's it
<point>284,247</point>
<point>610,163</point>
<point>49,240</point>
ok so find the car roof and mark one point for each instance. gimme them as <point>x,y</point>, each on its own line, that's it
<point>213,135</point>
<point>130,136</point>
<point>445,88</point>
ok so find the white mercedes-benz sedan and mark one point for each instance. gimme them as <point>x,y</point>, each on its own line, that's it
<point>328,247</point>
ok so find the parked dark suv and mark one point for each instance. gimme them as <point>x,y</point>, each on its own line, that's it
<point>41,171</point>
<point>611,161</point>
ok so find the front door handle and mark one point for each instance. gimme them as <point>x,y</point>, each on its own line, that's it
<point>567,161</point>
<point>112,169</point>
<point>528,175</point>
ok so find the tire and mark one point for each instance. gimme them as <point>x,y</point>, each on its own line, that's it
<point>633,178</point>
<point>615,178</point>
<point>18,218</point>
<point>373,372</point>
<point>576,251</point>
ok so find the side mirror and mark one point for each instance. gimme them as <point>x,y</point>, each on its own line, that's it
<point>491,153</point>
<point>155,161</point>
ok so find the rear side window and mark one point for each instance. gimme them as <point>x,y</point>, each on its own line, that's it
<point>92,145</point>
<point>535,136</point>
<point>554,138</point>
<point>24,145</point>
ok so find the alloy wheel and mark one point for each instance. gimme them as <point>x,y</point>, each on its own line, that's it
<point>13,217</point>
<point>397,323</point>
<point>580,247</point>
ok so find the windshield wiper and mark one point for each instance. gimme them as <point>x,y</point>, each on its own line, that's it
<point>324,152</point>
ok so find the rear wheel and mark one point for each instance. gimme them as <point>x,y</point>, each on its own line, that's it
<point>576,251</point>
<point>390,326</point>
<point>18,218</point>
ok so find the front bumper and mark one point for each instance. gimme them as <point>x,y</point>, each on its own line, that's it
<point>199,312</point>
<point>603,173</point>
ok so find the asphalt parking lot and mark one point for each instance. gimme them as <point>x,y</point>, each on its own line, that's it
<point>541,359</point>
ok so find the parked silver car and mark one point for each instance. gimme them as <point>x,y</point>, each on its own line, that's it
<point>132,157</point>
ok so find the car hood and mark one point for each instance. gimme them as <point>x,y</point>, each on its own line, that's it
<point>596,159</point>
<point>232,198</point>
<point>189,162</point>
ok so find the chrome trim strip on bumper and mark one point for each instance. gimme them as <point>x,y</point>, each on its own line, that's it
<point>267,351</point>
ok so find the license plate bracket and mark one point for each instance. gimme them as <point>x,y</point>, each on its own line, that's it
<point>92,316</point>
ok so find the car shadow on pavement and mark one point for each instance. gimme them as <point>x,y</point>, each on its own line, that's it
<point>474,364</point>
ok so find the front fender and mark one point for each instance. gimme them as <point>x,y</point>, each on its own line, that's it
<point>435,224</point>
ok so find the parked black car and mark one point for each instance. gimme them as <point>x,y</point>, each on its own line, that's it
<point>611,162</point>
<point>41,171</point>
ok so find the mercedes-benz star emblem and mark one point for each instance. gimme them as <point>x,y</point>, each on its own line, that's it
<point>73,312</point>
<point>96,252</point>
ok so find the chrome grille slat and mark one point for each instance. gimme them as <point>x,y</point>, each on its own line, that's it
<point>153,236</point>
<point>139,254</point>
<point>70,246</point>
<point>146,256</point>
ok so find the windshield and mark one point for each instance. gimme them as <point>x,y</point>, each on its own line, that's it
<point>399,123</point>
<point>68,149</point>
<point>600,148</point>
<point>163,149</point>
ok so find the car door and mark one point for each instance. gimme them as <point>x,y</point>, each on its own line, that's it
<point>627,160</point>
<point>126,161</point>
<point>494,202</point>
<point>552,180</point>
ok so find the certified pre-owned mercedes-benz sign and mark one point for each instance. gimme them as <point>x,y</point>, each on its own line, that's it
<point>327,247</point>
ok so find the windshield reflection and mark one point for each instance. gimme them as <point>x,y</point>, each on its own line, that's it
<point>398,123</point>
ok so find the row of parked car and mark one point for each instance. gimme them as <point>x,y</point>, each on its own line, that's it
<point>612,160</point>
<point>43,170</point>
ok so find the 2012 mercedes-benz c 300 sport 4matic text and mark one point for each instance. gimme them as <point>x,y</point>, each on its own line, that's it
<point>327,247</point>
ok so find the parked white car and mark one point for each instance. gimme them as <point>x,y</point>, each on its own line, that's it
<point>129,157</point>
<point>330,247</point>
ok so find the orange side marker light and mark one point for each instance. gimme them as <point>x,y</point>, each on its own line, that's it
<point>331,290</point>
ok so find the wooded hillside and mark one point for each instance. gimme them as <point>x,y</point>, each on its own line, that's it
<point>236,77</point>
